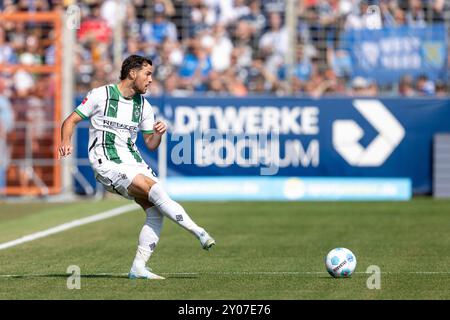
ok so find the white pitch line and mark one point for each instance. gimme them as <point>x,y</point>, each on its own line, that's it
<point>282,273</point>
<point>69,225</point>
<point>274,273</point>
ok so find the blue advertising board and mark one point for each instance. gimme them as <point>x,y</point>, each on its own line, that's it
<point>293,137</point>
<point>288,189</point>
<point>389,53</point>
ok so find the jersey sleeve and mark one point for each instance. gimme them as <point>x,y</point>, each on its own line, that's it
<point>148,118</point>
<point>87,106</point>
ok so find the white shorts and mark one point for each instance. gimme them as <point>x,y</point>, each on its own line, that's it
<point>117,177</point>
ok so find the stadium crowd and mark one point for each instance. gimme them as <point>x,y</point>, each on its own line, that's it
<point>219,47</point>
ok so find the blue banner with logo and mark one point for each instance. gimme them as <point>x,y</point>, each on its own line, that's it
<point>387,54</point>
<point>292,137</point>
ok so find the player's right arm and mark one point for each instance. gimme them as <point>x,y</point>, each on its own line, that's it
<point>83,111</point>
<point>67,128</point>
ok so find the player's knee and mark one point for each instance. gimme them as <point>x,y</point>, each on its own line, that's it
<point>144,203</point>
<point>140,187</point>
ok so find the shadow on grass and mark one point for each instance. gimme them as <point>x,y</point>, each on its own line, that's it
<point>96,276</point>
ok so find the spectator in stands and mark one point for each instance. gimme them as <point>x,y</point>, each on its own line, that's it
<point>255,18</point>
<point>328,25</point>
<point>6,125</point>
<point>424,86</point>
<point>94,27</point>
<point>202,17</point>
<point>244,43</point>
<point>23,83</point>
<point>373,89</point>
<point>436,9</point>
<point>168,61</point>
<point>315,79</point>
<point>196,67</point>
<point>274,5</point>
<point>168,5</point>
<point>387,8</point>
<point>216,84</point>
<point>362,87</point>
<point>132,24</point>
<point>225,51</point>
<point>49,54</point>
<point>113,12</point>
<point>415,15</point>
<point>341,62</point>
<point>17,36</point>
<point>442,89</point>
<point>32,53</point>
<point>83,67</point>
<point>7,54</point>
<point>234,77</point>
<point>221,48</point>
<point>406,86</point>
<point>334,85</point>
<point>399,17</point>
<point>274,43</point>
<point>361,18</point>
<point>33,6</point>
<point>301,71</point>
<point>58,5</point>
<point>155,31</point>
<point>237,9</point>
<point>38,115</point>
<point>134,46</point>
<point>9,6</point>
<point>102,72</point>
<point>171,86</point>
<point>223,10</point>
<point>260,79</point>
<point>323,82</point>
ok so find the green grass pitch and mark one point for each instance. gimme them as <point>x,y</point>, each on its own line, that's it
<point>265,250</point>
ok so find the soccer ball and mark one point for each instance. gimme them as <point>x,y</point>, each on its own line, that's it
<point>340,263</point>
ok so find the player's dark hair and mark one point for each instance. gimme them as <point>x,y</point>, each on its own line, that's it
<point>133,62</point>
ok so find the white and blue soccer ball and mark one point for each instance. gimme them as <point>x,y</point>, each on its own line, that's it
<point>340,263</point>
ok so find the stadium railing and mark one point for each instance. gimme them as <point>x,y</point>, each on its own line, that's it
<point>34,168</point>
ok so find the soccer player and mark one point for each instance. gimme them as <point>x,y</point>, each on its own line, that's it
<point>116,113</point>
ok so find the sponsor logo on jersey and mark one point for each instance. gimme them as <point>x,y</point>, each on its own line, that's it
<point>117,125</point>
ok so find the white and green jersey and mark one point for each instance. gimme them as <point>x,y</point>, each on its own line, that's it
<point>115,122</point>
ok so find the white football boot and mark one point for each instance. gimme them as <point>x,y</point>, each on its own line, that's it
<point>206,240</point>
<point>143,273</point>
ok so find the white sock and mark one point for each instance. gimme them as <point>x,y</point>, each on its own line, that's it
<point>173,210</point>
<point>149,237</point>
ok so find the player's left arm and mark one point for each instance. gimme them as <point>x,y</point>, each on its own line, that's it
<point>153,140</point>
